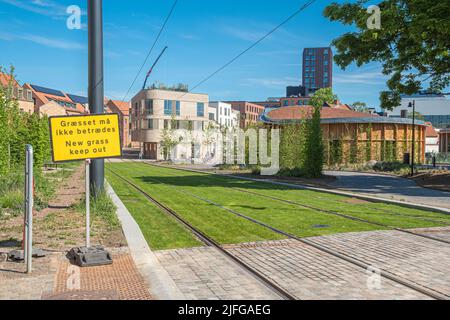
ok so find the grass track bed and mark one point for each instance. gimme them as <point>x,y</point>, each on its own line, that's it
<point>165,185</point>
<point>392,215</point>
<point>169,234</point>
<point>222,226</point>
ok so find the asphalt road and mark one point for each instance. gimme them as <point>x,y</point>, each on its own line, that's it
<point>389,187</point>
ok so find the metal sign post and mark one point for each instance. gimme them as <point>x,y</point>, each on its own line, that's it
<point>28,207</point>
<point>88,206</point>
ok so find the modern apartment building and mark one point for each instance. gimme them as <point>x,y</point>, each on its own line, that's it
<point>222,113</point>
<point>249,112</point>
<point>294,101</point>
<point>153,110</point>
<point>317,68</point>
<point>23,95</point>
<point>434,107</point>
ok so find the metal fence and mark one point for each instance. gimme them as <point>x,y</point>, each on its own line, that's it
<point>440,158</point>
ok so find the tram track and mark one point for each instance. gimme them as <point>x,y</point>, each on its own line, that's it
<point>355,261</point>
<point>208,241</point>
<point>332,212</point>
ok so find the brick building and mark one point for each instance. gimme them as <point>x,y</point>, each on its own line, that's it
<point>23,95</point>
<point>123,110</point>
<point>250,112</point>
<point>317,68</point>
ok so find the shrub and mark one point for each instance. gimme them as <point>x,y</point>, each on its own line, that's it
<point>393,166</point>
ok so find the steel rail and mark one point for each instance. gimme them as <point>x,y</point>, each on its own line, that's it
<point>384,273</point>
<point>320,209</point>
<point>210,242</point>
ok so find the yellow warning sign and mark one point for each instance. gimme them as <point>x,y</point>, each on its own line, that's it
<point>85,137</point>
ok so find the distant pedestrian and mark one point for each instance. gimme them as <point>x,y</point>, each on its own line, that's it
<point>141,155</point>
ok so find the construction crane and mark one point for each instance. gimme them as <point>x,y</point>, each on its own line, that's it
<point>151,69</point>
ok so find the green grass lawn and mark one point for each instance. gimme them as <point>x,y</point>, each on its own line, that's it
<point>161,231</point>
<point>389,214</point>
<point>166,185</point>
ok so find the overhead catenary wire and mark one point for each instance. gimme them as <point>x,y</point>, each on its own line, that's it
<point>303,7</point>
<point>172,9</point>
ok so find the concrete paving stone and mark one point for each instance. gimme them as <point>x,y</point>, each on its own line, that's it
<point>422,261</point>
<point>334,279</point>
<point>208,280</point>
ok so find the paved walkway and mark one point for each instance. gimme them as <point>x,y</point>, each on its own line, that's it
<point>311,274</point>
<point>389,187</point>
<point>422,261</point>
<point>54,278</point>
<point>206,274</point>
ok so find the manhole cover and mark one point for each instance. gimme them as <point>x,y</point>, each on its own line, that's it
<point>320,226</point>
<point>83,295</point>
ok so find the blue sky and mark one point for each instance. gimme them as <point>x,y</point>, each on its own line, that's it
<point>202,35</point>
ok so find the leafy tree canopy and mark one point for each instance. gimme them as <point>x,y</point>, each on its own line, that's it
<point>412,44</point>
<point>322,96</point>
<point>360,106</point>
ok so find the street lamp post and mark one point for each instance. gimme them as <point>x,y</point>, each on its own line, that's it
<point>413,106</point>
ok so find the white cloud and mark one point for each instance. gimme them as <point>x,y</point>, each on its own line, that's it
<point>272,83</point>
<point>44,41</point>
<point>359,78</point>
<point>189,37</point>
<point>42,7</point>
<point>239,33</point>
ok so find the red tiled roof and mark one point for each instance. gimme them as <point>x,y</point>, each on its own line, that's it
<point>123,107</point>
<point>5,78</point>
<point>288,113</point>
<point>431,132</point>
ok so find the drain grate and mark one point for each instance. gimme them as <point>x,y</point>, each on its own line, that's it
<point>320,226</point>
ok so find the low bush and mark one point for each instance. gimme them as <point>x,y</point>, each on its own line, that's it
<point>394,166</point>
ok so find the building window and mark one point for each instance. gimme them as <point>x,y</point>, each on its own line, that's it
<point>149,107</point>
<point>211,117</point>
<point>166,124</point>
<point>150,124</point>
<point>307,63</point>
<point>167,107</point>
<point>325,63</point>
<point>178,108</point>
<point>200,109</point>
<point>286,103</point>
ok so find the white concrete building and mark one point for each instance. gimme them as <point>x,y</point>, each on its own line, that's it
<point>431,140</point>
<point>158,113</point>
<point>222,114</point>
<point>235,118</point>
<point>434,107</point>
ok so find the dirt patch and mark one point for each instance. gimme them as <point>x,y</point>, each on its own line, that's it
<point>355,201</point>
<point>432,180</point>
<point>60,226</point>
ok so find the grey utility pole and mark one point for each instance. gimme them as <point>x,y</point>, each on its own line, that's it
<point>413,106</point>
<point>96,98</point>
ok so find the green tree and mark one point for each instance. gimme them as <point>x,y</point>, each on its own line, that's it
<point>169,139</point>
<point>412,44</point>
<point>314,148</point>
<point>360,106</point>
